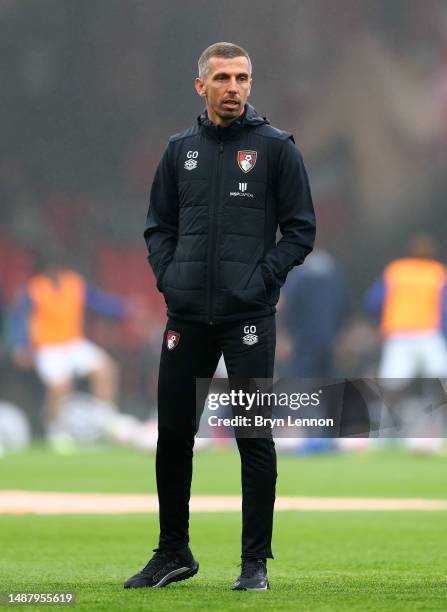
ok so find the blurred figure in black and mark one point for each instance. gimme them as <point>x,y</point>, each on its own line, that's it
<point>312,314</point>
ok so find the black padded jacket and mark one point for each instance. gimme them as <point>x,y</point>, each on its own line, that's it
<point>218,198</point>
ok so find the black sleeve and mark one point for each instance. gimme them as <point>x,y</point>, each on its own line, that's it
<point>161,230</point>
<point>296,217</point>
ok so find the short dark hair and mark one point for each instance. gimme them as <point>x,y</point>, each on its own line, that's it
<point>423,246</point>
<point>221,49</point>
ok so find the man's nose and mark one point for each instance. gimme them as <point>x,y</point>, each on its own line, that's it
<point>232,85</point>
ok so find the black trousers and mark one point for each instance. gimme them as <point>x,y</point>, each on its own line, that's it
<point>195,354</point>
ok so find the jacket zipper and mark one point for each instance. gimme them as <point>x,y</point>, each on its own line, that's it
<point>212,247</point>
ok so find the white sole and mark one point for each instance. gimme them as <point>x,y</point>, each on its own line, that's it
<point>260,590</point>
<point>184,572</point>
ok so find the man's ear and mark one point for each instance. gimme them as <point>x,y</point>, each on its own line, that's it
<point>200,86</point>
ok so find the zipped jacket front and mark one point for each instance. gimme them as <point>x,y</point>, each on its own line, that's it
<point>218,198</point>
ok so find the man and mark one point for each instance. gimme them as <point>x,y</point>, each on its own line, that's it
<point>219,194</point>
<point>47,329</point>
<point>312,315</point>
<point>411,299</point>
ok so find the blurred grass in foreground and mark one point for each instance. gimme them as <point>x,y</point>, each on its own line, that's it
<point>390,473</point>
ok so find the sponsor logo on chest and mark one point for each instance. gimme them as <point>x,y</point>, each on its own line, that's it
<point>242,193</point>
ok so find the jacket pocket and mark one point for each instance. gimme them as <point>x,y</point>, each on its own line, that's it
<point>271,295</point>
<point>162,280</point>
<point>257,280</point>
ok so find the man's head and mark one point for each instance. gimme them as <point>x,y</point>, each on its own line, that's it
<point>224,81</point>
<point>423,246</point>
<point>51,260</point>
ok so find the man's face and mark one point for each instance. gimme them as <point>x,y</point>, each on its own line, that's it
<point>225,88</point>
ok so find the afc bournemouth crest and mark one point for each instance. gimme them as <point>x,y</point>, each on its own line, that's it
<point>246,160</point>
<point>172,339</point>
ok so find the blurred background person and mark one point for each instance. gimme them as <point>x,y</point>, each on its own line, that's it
<point>312,311</point>
<point>46,329</point>
<point>410,297</point>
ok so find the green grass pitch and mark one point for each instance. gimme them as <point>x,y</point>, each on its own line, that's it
<point>324,560</point>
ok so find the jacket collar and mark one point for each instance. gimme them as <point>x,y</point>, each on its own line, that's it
<point>249,118</point>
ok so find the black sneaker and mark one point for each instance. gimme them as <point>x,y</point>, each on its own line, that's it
<point>164,567</point>
<point>253,576</point>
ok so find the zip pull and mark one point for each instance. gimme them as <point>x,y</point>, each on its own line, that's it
<point>221,147</point>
